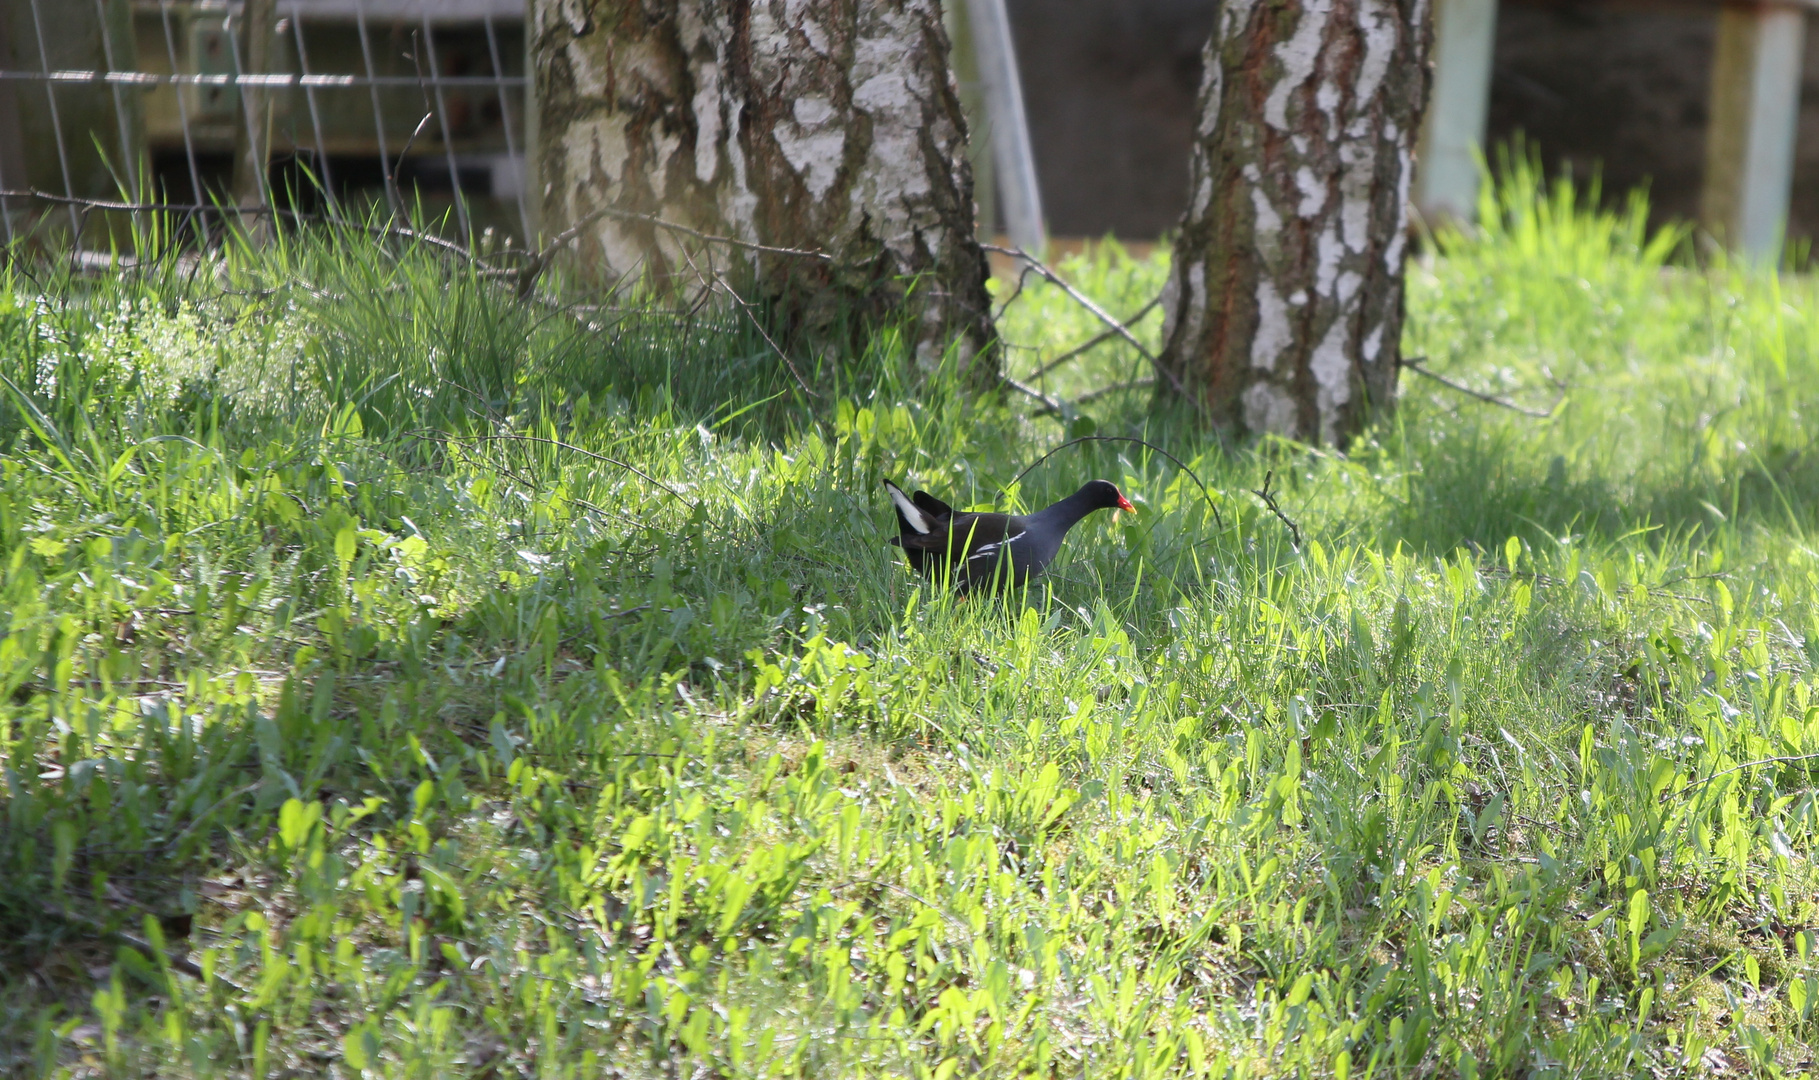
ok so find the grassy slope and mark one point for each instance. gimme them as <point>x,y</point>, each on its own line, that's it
<point>334,743</point>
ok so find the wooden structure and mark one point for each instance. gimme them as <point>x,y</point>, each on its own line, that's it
<point>991,92</point>
<point>403,101</point>
<point>1446,181</point>
<point>1749,160</point>
<point>1754,104</point>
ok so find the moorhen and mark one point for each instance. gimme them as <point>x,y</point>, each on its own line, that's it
<point>991,549</point>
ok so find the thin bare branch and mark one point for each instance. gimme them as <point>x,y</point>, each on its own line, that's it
<point>1269,500</point>
<point>438,436</point>
<point>1098,312</point>
<point>1104,391</point>
<point>1091,343</point>
<point>1787,760</point>
<point>1050,403</point>
<point>720,279</point>
<point>1415,365</point>
<point>540,261</point>
<point>399,232</point>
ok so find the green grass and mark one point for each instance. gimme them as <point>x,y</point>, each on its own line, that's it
<point>361,717</point>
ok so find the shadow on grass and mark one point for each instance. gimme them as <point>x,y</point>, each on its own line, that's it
<point>1483,487</point>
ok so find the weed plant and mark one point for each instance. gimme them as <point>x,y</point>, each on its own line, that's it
<point>403,679</point>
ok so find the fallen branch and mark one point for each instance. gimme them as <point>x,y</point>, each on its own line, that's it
<point>720,279</point>
<point>1050,403</point>
<point>1414,364</point>
<point>224,210</point>
<point>527,276</point>
<point>1788,760</point>
<point>1098,312</point>
<point>178,964</point>
<point>437,436</point>
<point>1103,391</point>
<point>1269,500</point>
<point>1179,464</point>
<point>1091,343</point>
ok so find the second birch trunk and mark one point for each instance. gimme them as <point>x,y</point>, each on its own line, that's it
<point>1284,302</point>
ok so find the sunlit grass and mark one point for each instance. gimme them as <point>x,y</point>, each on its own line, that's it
<point>363,717</point>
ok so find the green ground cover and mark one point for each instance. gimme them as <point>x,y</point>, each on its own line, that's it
<point>400,679</point>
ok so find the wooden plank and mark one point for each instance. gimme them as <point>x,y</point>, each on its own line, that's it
<point>1012,156</point>
<point>965,63</point>
<point>1452,135</point>
<point>1755,106</point>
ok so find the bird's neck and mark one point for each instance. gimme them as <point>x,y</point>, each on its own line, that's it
<point>1067,513</point>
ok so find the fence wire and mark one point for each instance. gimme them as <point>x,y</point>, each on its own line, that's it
<point>344,106</point>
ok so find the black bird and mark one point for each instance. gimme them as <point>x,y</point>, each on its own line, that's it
<point>991,550</point>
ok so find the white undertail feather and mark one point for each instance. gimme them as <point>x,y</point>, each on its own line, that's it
<point>911,513</point>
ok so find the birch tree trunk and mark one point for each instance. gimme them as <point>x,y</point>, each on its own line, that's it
<point>819,125</point>
<point>1284,302</point>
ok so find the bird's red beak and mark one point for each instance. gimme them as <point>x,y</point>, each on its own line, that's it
<point>1125,504</point>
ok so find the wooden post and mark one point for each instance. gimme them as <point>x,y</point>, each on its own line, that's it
<point>965,65</point>
<point>13,176</point>
<point>1446,172</point>
<point>1749,145</point>
<point>120,52</point>
<point>996,55</point>
<point>253,139</point>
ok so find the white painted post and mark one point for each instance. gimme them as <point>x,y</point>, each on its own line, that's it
<point>964,61</point>
<point>1755,106</point>
<point>996,56</point>
<point>1446,173</point>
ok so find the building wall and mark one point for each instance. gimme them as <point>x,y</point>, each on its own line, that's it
<point>1615,88</point>
<point>1110,86</point>
<point>1607,90</point>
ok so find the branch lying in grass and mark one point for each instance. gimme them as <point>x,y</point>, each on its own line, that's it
<point>1050,403</point>
<point>1103,391</point>
<point>1414,364</point>
<point>1788,760</point>
<point>1179,464</point>
<point>1657,589</point>
<point>720,280</point>
<point>226,210</point>
<point>94,926</point>
<point>1098,312</point>
<point>1269,500</point>
<point>438,436</point>
<point>527,277</point>
<point>1093,342</point>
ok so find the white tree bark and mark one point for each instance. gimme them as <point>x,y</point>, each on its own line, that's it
<point>825,125</point>
<point>1284,305</point>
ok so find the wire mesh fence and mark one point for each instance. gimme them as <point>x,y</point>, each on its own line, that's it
<point>300,107</point>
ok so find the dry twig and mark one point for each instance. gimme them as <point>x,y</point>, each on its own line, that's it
<point>1091,343</point>
<point>1415,365</point>
<point>399,232</point>
<point>1098,312</point>
<point>720,279</point>
<point>1269,500</point>
<point>438,436</point>
<point>1095,395</point>
<point>1050,403</point>
<point>1787,760</point>
<point>527,276</point>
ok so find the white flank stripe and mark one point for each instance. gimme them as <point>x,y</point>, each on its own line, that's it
<point>986,551</point>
